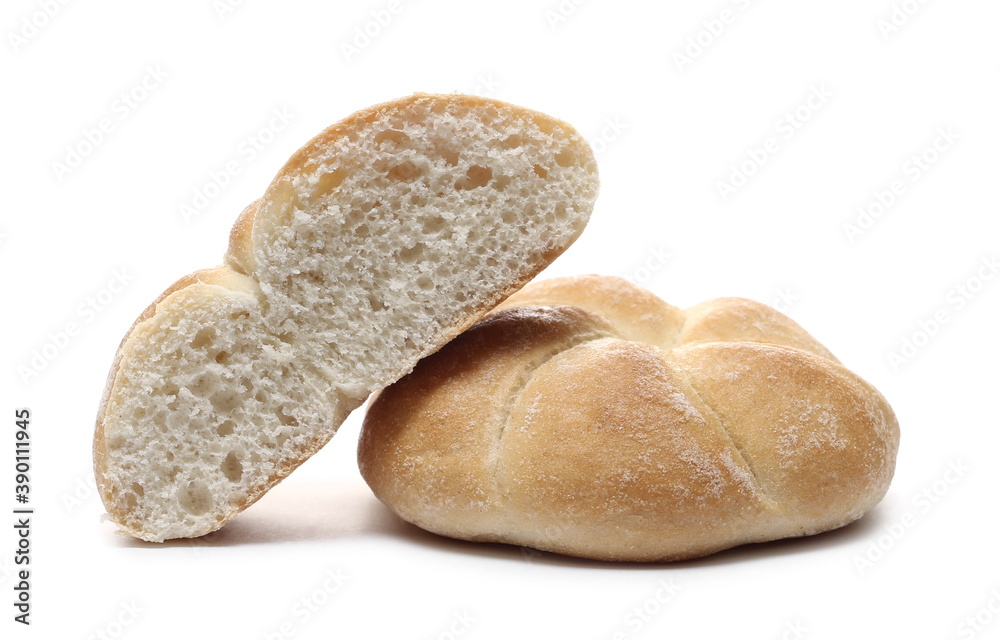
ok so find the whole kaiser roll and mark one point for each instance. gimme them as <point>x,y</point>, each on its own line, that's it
<point>587,417</point>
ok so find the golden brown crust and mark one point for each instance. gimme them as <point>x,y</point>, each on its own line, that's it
<point>809,450</point>
<point>636,313</point>
<point>578,424</point>
<point>239,257</point>
<point>454,455</point>
<point>738,319</point>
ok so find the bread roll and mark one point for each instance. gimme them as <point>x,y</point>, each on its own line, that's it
<point>587,417</point>
<point>381,239</point>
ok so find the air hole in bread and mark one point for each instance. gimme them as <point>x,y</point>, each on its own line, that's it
<point>355,216</point>
<point>405,171</point>
<point>225,401</point>
<point>203,385</point>
<point>476,176</point>
<point>203,338</point>
<point>425,283</point>
<point>500,182</point>
<point>451,157</point>
<point>328,182</point>
<point>195,497</point>
<point>226,428</point>
<point>566,158</point>
<point>392,135</point>
<point>412,254</point>
<point>512,142</point>
<point>434,225</point>
<point>540,171</point>
<point>375,303</point>
<point>232,468</point>
<point>490,114</point>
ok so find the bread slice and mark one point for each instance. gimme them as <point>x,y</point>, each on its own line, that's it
<point>381,239</point>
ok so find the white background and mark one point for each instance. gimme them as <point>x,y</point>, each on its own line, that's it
<point>667,131</point>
